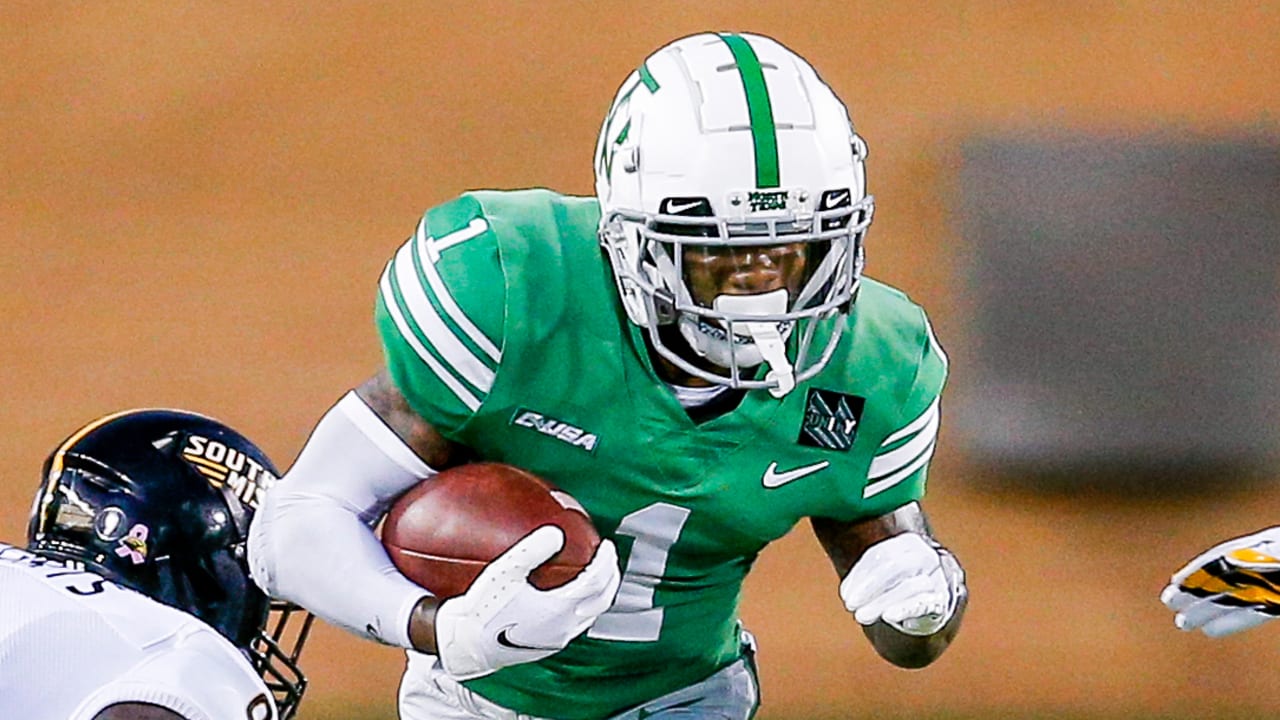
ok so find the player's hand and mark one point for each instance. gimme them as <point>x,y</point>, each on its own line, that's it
<point>1232,586</point>
<point>908,581</point>
<point>504,620</point>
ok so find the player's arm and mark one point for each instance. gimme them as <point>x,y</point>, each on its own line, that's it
<point>312,539</point>
<point>385,400</point>
<point>137,711</point>
<point>906,590</point>
<point>439,314</point>
<point>312,542</point>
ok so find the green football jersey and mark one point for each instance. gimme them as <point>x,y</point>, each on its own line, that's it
<point>501,325</point>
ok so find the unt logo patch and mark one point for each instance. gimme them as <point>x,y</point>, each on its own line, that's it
<point>831,420</point>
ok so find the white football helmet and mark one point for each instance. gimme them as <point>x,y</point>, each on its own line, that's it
<point>724,143</point>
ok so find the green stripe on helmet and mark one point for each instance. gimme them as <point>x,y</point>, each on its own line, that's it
<point>764,135</point>
<point>646,77</point>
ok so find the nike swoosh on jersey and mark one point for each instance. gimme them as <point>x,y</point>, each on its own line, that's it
<point>773,479</point>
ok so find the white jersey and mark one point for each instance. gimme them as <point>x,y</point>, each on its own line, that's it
<point>73,643</point>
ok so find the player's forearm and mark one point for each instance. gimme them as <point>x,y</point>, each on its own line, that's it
<point>914,651</point>
<point>320,556</point>
<point>312,542</point>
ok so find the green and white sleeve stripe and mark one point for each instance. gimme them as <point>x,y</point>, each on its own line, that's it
<point>432,323</point>
<point>904,452</point>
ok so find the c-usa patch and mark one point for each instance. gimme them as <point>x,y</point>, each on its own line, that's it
<point>831,420</point>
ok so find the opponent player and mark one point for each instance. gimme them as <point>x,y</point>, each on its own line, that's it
<point>132,599</point>
<point>1232,586</point>
<point>694,355</point>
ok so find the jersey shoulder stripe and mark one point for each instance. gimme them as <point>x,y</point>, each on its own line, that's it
<point>419,310</point>
<point>444,299</point>
<point>904,452</point>
<point>391,307</point>
<point>432,248</point>
<point>412,283</point>
<point>894,333</point>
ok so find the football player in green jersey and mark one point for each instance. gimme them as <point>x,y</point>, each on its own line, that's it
<point>694,355</point>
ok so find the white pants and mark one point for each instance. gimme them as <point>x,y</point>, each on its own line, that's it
<point>428,693</point>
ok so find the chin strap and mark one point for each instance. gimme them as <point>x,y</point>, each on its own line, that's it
<point>774,351</point>
<point>766,336</point>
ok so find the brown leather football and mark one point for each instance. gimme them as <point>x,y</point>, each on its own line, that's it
<point>442,532</point>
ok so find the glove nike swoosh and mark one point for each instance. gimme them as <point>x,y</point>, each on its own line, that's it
<point>507,642</point>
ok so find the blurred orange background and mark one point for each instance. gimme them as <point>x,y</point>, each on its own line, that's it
<point>198,199</point>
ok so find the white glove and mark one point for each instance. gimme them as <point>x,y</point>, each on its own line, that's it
<point>910,582</point>
<point>1232,586</point>
<point>504,620</point>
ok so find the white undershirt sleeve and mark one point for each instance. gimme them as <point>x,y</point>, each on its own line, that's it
<point>312,541</point>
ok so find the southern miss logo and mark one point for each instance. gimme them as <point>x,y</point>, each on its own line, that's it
<point>227,466</point>
<point>558,429</point>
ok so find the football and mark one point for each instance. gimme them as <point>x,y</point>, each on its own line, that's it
<point>443,531</point>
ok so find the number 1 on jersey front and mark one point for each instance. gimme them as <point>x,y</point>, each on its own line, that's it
<point>633,618</point>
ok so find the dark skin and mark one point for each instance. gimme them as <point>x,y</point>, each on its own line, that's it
<point>731,271</point>
<point>712,270</point>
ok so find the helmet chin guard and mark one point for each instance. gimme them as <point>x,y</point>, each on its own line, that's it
<point>745,343</point>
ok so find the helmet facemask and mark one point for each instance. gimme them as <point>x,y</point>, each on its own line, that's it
<point>662,260</point>
<point>274,653</point>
